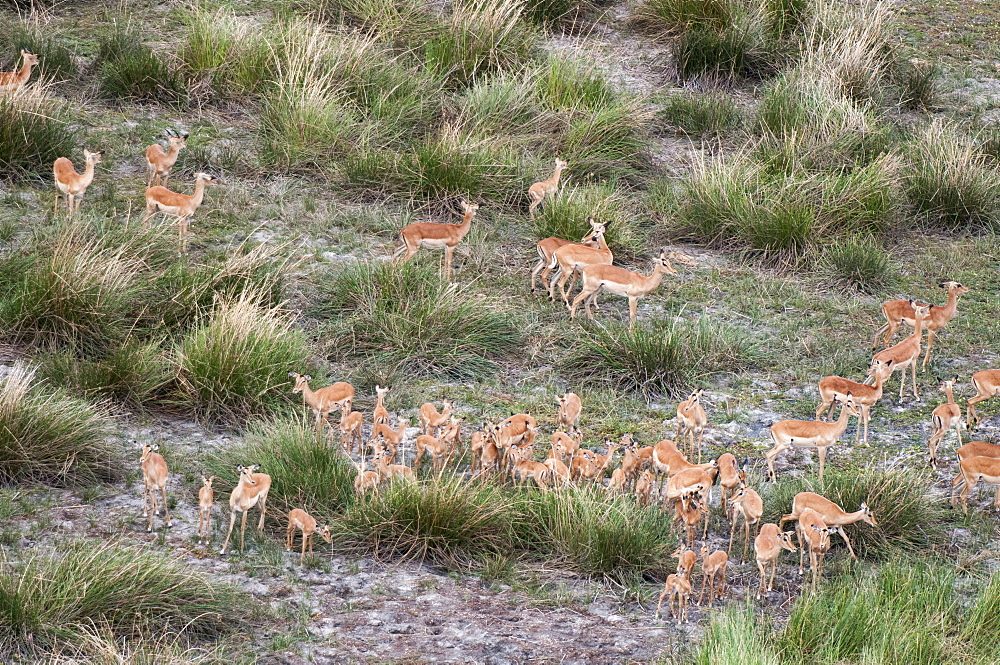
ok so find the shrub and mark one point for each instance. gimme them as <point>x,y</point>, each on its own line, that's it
<point>234,364</point>
<point>303,474</point>
<point>129,69</point>
<point>700,114</point>
<point>610,143</point>
<point>50,436</point>
<point>950,182</point>
<point>34,132</point>
<point>448,521</point>
<point>908,518</point>
<point>859,262</point>
<point>593,534</point>
<point>663,358</point>
<point>482,37</point>
<point>405,317</point>
<point>47,599</point>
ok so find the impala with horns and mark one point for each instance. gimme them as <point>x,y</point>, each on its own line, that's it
<point>159,162</point>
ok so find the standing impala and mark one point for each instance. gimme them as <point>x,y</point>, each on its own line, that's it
<point>972,449</point>
<point>206,501</point>
<point>430,234</point>
<point>621,282</point>
<point>987,385</point>
<point>943,418</point>
<point>901,311</point>
<point>430,420</point>
<point>154,477</point>
<point>251,490</point>
<point>816,434</point>
<point>713,569</point>
<point>11,81</point>
<point>572,257</point>
<point>767,547</point>
<point>546,247</point>
<point>71,184</point>
<point>906,354</point>
<point>380,414</point>
<point>181,206</point>
<point>569,411</point>
<point>833,515</point>
<point>746,504</point>
<point>691,422</point>
<point>159,162</point>
<point>814,536</point>
<point>865,396</point>
<point>974,469</point>
<point>324,400</point>
<point>538,191</point>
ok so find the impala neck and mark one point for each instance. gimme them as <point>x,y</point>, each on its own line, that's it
<point>950,306</point>
<point>25,72</point>
<point>845,416</point>
<point>308,395</point>
<point>466,222</point>
<point>173,150</point>
<point>199,196</point>
<point>88,173</point>
<point>949,392</point>
<point>556,174</point>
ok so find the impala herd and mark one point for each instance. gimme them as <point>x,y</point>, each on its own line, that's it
<point>659,473</point>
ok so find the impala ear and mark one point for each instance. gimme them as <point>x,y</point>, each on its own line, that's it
<point>184,136</point>
<point>307,377</point>
<point>239,468</point>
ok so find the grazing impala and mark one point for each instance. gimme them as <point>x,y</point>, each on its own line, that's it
<point>538,191</point>
<point>621,282</point>
<point>972,449</point>
<point>945,417</point>
<point>430,234</point>
<point>251,490</point>
<point>11,81</point>
<point>571,258</point>
<point>865,396</point>
<point>901,311</point>
<point>833,515</point>
<point>546,247</point>
<point>181,206</point>
<point>816,434</point>
<point>300,520</point>
<point>767,547</point>
<point>159,162</point>
<point>987,385</point>
<point>906,354</point>
<point>74,185</point>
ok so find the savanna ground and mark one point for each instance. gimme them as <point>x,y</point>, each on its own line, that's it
<point>814,158</point>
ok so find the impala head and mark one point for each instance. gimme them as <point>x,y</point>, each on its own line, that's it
<point>301,381</point>
<point>324,533</point>
<point>207,482</point>
<point>627,441</point>
<point>955,286</point>
<point>176,140</point>
<point>30,58</point>
<point>207,177</point>
<point>664,261</point>
<point>705,549</point>
<point>93,157</point>
<point>147,450</point>
<point>947,384</point>
<point>880,367</point>
<point>468,207</point>
<point>866,514</point>
<point>785,540</point>
<point>848,404</point>
<point>381,392</point>
<point>246,473</point>
<point>560,164</point>
<point>824,536</point>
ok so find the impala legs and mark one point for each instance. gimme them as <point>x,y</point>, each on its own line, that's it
<point>930,343</point>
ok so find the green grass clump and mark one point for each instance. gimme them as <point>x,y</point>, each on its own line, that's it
<point>234,365</point>
<point>37,36</point>
<point>481,37</point>
<point>860,263</point>
<point>565,216</point>
<point>405,319</point>
<point>701,114</point>
<point>950,183</point>
<point>593,534</point>
<point>403,20</point>
<point>505,106</point>
<point>908,518</point>
<point>34,132</point>
<point>48,599</point>
<point>610,143</point>
<point>918,84</point>
<point>128,69</point>
<point>448,521</point>
<point>570,84</point>
<point>660,357</point>
<point>737,636</point>
<point>48,436</point>
<point>558,13</point>
<point>304,474</point>
<point>134,373</point>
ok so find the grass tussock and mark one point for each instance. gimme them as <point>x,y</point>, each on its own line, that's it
<point>34,132</point>
<point>35,33</point>
<point>234,364</point>
<point>565,216</point>
<point>701,114</point>
<point>737,636</point>
<point>405,318</point>
<point>660,358</point>
<point>303,474</point>
<point>918,81</point>
<point>609,144</point>
<point>136,373</point>
<point>860,263</point>
<point>49,436</point>
<point>572,84</point>
<point>128,69</point>
<point>394,20</point>
<point>233,53</point>
<point>49,599</point>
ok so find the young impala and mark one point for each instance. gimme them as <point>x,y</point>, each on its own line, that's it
<point>865,396</point>
<point>538,191</point>
<point>154,476</point>
<point>206,501</point>
<point>691,422</point>
<point>767,547</point>
<point>159,162</point>
<point>300,520</point>
<point>71,184</point>
<point>906,354</point>
<point>833,515</point>
<point>748,505</point>
<point>569,412</point>
<point>431,420</point>
<point>11,81</point>
<point>816,434</point>
<point>251,490</point>
<point>901,311</point>
<point>713,569</point>
<point>380,414</point>
<point>430,234</point>
<point>943,418</point>
<point>814,536</point>
<point>972,449</point>
<point>679,587</point>
<point>572,257</point>
<point>181,206</point>
<point>546,247</point>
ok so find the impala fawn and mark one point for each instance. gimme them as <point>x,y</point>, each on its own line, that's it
<point>301,520</point>
<point>11,81</point>
<point>159,162</point>
<point>206,501</point>
<point>538,191</point>
<point>71,184</point>
<point>154,477</point>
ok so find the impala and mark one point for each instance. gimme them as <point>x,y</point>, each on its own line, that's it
<point>74,185</point>
<point>748,505</point>
<point>669,461</point>
<point>206,501</point>
<point>351,423</point>
<point>430,234</point>
<point>324,400</point>
<point>538,191</point>
<point>972,449</point>
<point>974,469</point>
<point>154,477</point>
<point>181,206</point>
<point>546,247</point>
<point>431,420</point>
<point>11,81</point>
<point>569,411</point>
<point>686,559</point>
<point>943,418</point>
<point>384,438</point>
<point>767,547</point>
<point>816,434</point>
<point>524,468</point>
<point>865,396</point>
<point>906,354</point>
<point>644,488</point>
<point>572,258</point>
<point>299,519</point>
<point>833,515</point>
<point>365,481</point>
<point>730,479</point>
<point>690,511</point>
<point>677,586</point>
<point>159,162</point>
<point>814,535</point>
<point>387,471</point>
<point>987,385</point>
<point>380,415</point>
<point>691,422</point>
<point>901,311</point>
<point>713,568</point>
<point>251,490</point>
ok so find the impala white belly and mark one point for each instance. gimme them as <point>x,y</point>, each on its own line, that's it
<point>434,242</point>
<point>618,289</point>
